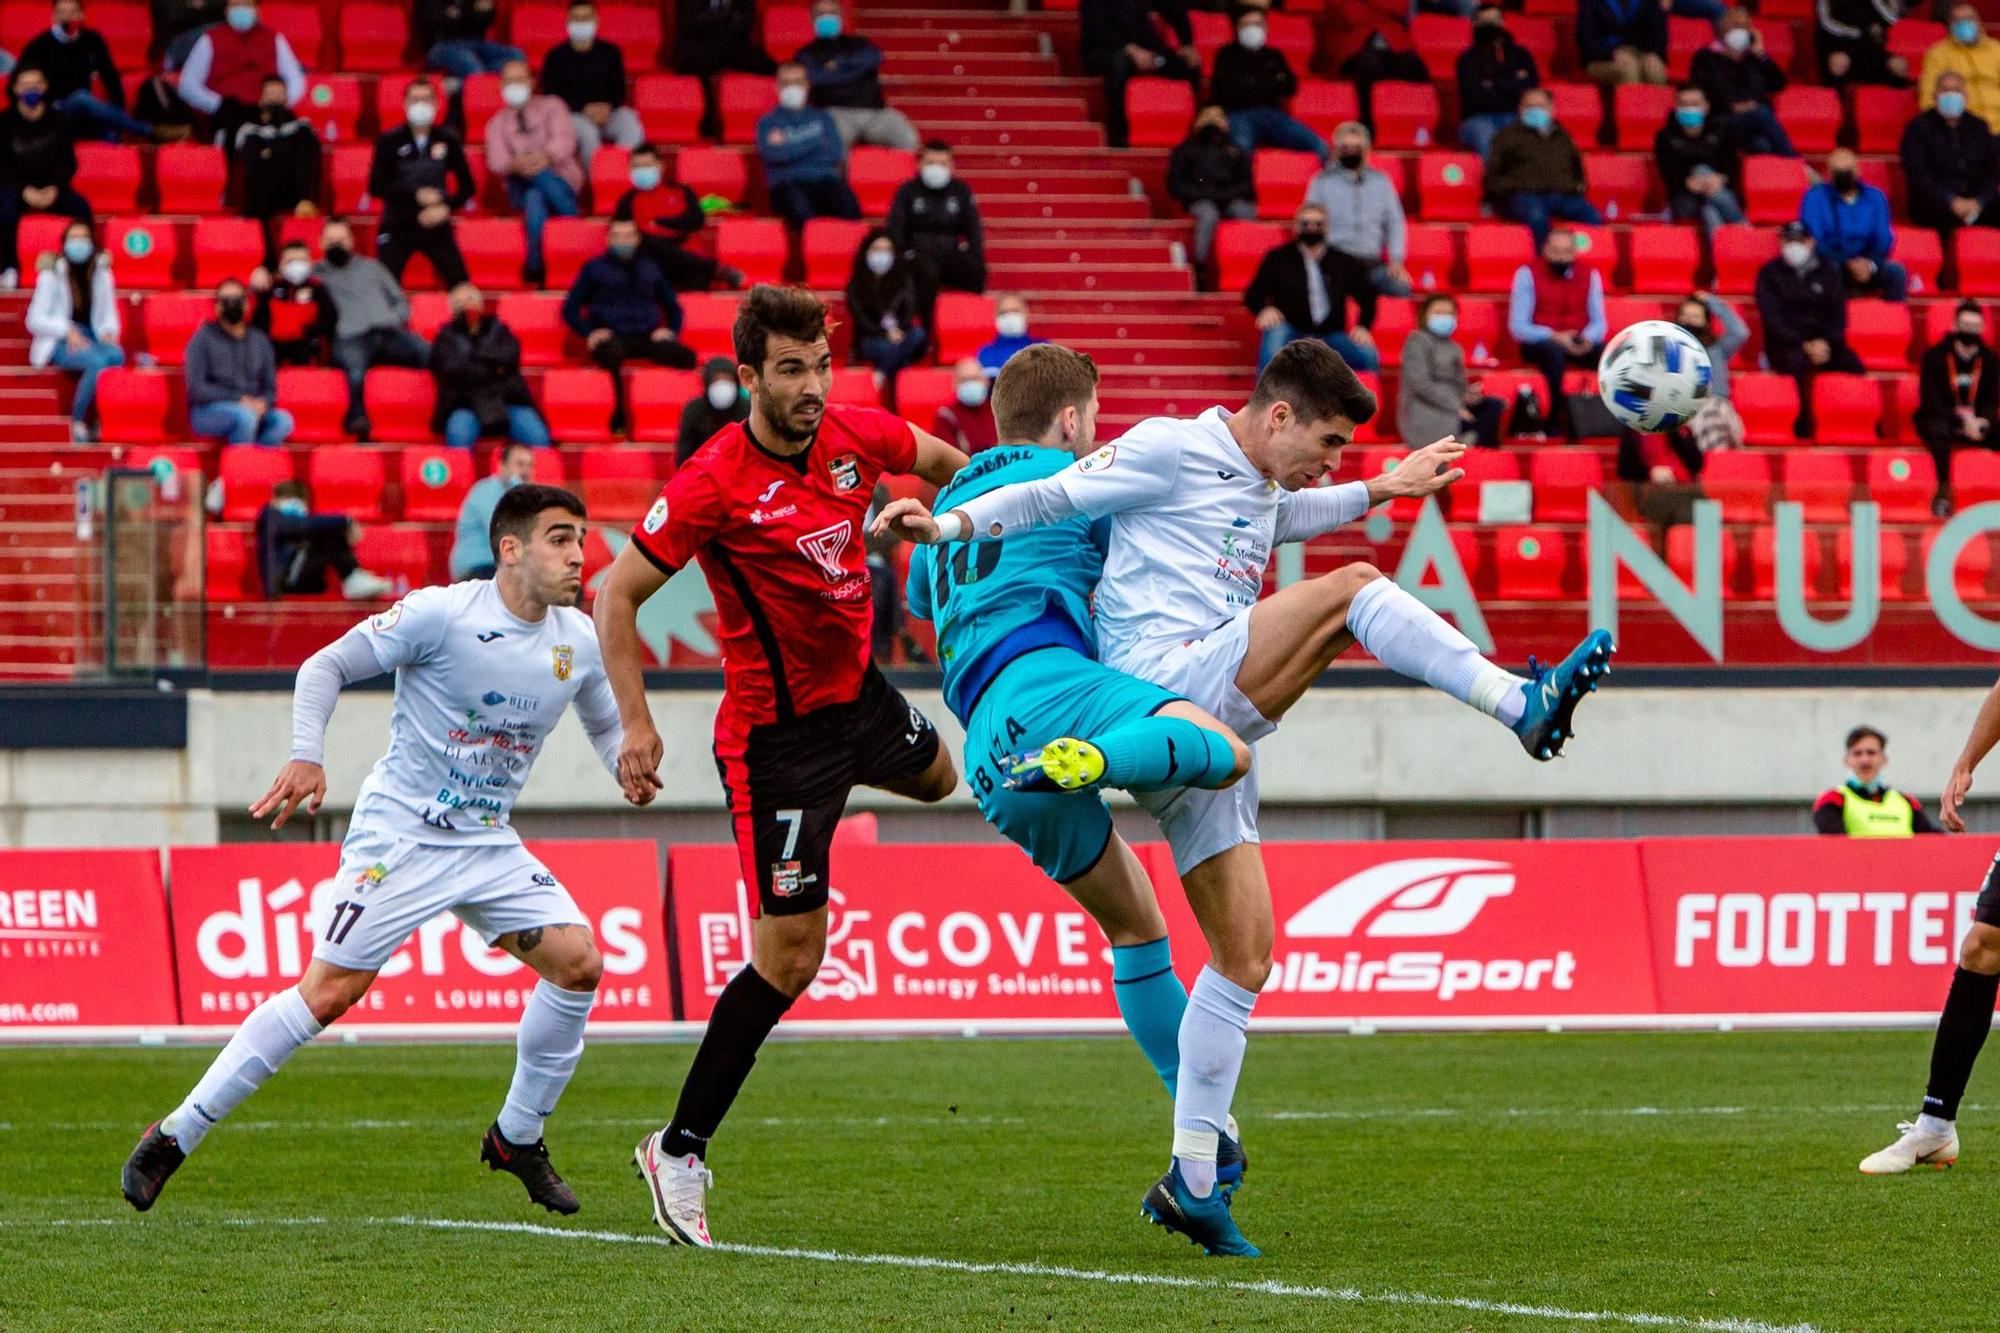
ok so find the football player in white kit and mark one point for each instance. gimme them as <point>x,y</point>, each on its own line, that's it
<point>1196,507</point>
<point>484,670</point>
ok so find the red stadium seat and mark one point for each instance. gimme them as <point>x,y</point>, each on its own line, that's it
<point>828,246</point>
<point>301,25</point>
<point>1663,258</point>
<point>1620,311</point>
<point>741,101</point>
<point>1295,35</point>
<point>875,174</point>
<point>669,105</point>
<point>656,396</point>
<point>479,96</point>
<point>619,484</point>
<point>1764,563</point>
<point>401,555</point>
<point>248,472</point>
<point>537,322</point>
<point>1880,115</point>
<point>1239,247</point>
<point>429,312</point>
<point>610,177</point>
<point>1381,462</point>
<point>1975,473</point>
<point>1879,332</point>
<point>435,480</point>
<point>758,246</point>
<point>1773,188</point>
<point>577,403</point>
<point>1431,255</point>
<point>1977,252</point>
<point>126,28</point>
<point>192,178</point>
<point>1439,39</point>
<point>1680,557</point>
<point>539,28</point>
<point>1563,480</point>
<point>169,319</point>
<point>1768,404</point>
<point>345,481</point>
<point>372,39</point>
<point>1902,482</point>
<point>1493,251</point>
<point>1919,250</point>
<point>1847,409</point>
<point>1158,111</point>
<point>1822,481</point>
<point>636,29</point>
<point>226,248</point>
<point>1640,109</point>
<point>1739,480</point>
<point>1531,564</point>
<point>146,252</point>
<point>492,250</point>
<point>1974,568</point>
<point>567,245</point>
<point>228,566</point>
<point>1622,185</point>
<point>137,407</point>
<point>708,321</point>
<point>109,176</point>
<point>855,388</point>
<point>723,172</point>
<point>1911,37</point>
<point>786,29</point>
<point>1599,248</point>
<point>1481,466</point>
<point>317,399</point>
<point>1450,185</point>
<point>41,234</point>
<point>1322,104</point>
<point>1406,114</point>
<point>922,390</point>
<point>1811,117</point>
<point>333,105</point>
<point>1685,36</point>
<point>1898,424</point>
<point>1281,177</point>
<point>964,325</point>
<point>399,404</point>
<point>1538,34</point>
<point>1578,108</point>
<point>1739,253</point>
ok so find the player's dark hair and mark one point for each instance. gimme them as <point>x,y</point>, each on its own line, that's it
<point>1862,733</point>
<point>788,312</point>
<point>1315,381</point>
<point>515,515</point>
<point>1035,385</point>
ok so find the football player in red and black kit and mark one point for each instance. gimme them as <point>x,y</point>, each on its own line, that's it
<point>773,508</point>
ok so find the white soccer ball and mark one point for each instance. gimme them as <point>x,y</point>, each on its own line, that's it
<point>1653,375</point>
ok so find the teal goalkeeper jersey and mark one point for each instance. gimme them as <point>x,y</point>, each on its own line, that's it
<point>997,597</point>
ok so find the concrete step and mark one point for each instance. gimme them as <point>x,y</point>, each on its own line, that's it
<point>1059,207</point>
<point>1137,279</point>
<point>1021,69</point>
<point>40,428</point>
<point>937,108</point>
<point>1030,136</point>
<point>941,36</point>
<point>1004,248</point>
<point>900,85</point>
<point>1221,354</point>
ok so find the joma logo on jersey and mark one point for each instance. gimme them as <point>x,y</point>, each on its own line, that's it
<point>825,547</point>
<point>565,658</point>
<point>1400,899</point>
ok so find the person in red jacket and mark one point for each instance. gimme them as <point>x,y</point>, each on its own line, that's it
<point>668,214</point>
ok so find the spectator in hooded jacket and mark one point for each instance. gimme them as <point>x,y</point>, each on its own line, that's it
<point>1493,72</point>
<point>1740,79</point>
<point>294,308</point>
<point>934,221</point>
<point>1699,161</point>
<point>1951,164</point>
<point>885,301</point>
<point>531,145</point>
<point>73,321</point>
<point>624,310</point>
<point>720,403</point>
<point>805,163</point>
<point>274,161</point>
<point>453,36</point>
<point>844,69</point>
<point>1623,41</point>
<point>37,166</point>
<point>967,421</point>
<point>1252,81</point>
<point>1803,302</point>
<point>1849,221</point>
<point>1968,51</point>
<point>1210,177</point>
<point>1534,173</point>
<point>1958,397</point>
<point>476,360</point>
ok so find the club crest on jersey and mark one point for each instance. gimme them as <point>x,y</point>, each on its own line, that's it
<point>1100,460</point>
<point>386,620</point>
<point>372,876</point>
<point>788,879</point>
<point>656,517</point>
<point>846,471</point>
<point>825,547</point>
<point>565,658</point>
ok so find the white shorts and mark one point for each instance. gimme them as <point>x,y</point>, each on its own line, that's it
<point>1200,823</point>
<point>390,885</point>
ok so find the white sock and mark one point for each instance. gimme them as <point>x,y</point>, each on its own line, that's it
<point>1212,1041</point>
<point>266,1040</point>
<point>1931,1124</point>
<point>547,1049</point>
<point>1412,640</point>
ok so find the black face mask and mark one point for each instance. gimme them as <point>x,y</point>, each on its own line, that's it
<point>1698,330</point>
<point>1967,343</point>
<point>1353,161</point>
<point>1495,33</point>
<point>1562,270</point>
<point>338,255</point>
<point>1312,236</point>
<point>1210,131</point>
<point>231,308</point>
<point>1845,181</point>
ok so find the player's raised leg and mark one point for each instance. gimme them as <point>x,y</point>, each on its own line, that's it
<point>548,1046</point>
<point>1177,746</point>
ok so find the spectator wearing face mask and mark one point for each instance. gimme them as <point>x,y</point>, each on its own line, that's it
<point>624,310</point>
<point>1739,79</point>
<point>844,70</point>
<point>1556,314</point>
<point>1852,38</point>
<point>1676,457</point>
<point>73,321</point>
<point>294,308</point>
<point>531,144</point>
<point>720,403</point>
<point>934,221</point>
<point>274,162</point>
<point>967,421</point>
<point>1951,164</point>
<point>668,215</point>
<point>1803,302</point>
<point>1699,161</point>
<point>1623,41</point>
<point>1301,290</point>
<point>1958,397</point>
<point>1435,398</point>
<point>371,319</point>
<point>453,36</point>
<point>1119,40</point>
<point>885,301</point>
<point>295,547</point>
<point>1010,330</point>
<point>158,103</point>
<point>232,377</point>
<point>472,538</point>
<point>805,162</point>
<point>1534,173</point>
<point>1364,214</point>
<point>1252,81</point>
<point>73,57</point>
<point>37,166</point>
<point>420,176</point>
<point>588,74</point>
<point>1849,221</point>
<point>1210,177</point>
<point>476,360</point>
<point>1967,51</point>
<point>225,71</point>
<point>1493,72</point>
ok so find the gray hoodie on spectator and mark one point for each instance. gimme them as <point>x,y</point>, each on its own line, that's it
<point>222,369</point>
<point>365,296</point>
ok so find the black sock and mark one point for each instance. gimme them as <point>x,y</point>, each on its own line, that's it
<point>746,1011</point>
<point>1962,1029</point>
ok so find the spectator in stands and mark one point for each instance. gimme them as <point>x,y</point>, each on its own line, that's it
<point>1676,458</point>
<point>805,163</point>
<point>1951,164</point>
<point>274,160</point>
<point>1493,72</point>
<point>73,321</point>
<point>371,319</point>
<point>453,36</point>
<point>71,56</point>
<point>1864,806</point>
<point>420,176</point>
<point>1210,177</point>
<point>720,403</point>
<point>934,221</point>
<point>1623,41</point>
<point>480,393</point>
<point>1252,81</point>
<point>1534,173</point>
<point>1010,334</point>
<point>225,72</point>
<point>177,24</point>
<point>232,376</point>
<point>1967,51</point>
<point>1803,302</point>
<point>531,144</point>
<point>157,102</point>
<point>667,216</point>
<point>844,70</point>
<point>968,421</point>
<point>1435,397</point>
<point>1301,290</point>
<point>1364,214</point>
<point>1699,161</point>
<point>718,36</point>
<point>1958,397</point>
<point>294,308</point>
<point>37,166</point>
<point>1740,79</point>
<point>624,310</point>
<point>1852,37</point>
<point>1122,39</point>
<point>472,539</point>
<point>295,546</point>
<point>1556,314</point>
<point>1849,220</point>
<point>589,75</point>
<point>885,301</point>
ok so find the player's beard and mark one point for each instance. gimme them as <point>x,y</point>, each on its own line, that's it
<point>780,419</point>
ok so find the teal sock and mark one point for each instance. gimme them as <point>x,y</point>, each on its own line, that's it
<point>1156,752</point>
<point>1150,999</point>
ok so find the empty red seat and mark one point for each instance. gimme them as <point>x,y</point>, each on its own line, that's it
<point>41,234</point>
<point>192,178</point>
<point>636,30</point>
<point>435,480</point>
<point>964,324</point>
<point>1321,105</point>
<point>577,402</point>
<point>317,399</point>
<point>1158,111</point>
<point>875,174</point>
<point>1680,556</point>
<point>1847,409</point>
<point>1431,255</point>
<point>347,168</point>
<point>1663,260</point>
<point>1531,564</point>
<point>145,252</point>
<point>1622,185</point>
<point>1281,176</point>
<point>1811,117</point>
<point>1640,109</point>
<point>1768,404</point>
<point>136,406</point>
<point>1919,250</point>
<point>1973,569</point>
<point>619,484</point>
<point>1406,114</point>
<point>1439,39</point>
<point>333,105</point>
<point>1482,467</point>
<point>1880,116</point>
<point>786,28</point>
<point>922,390</point>
<point>226,248</point>
<point>300,23</point>
<point>228,566</point>
<point>372,38</point>
<point>248,472</point>
<point>1381,462</point>
<point>757,246</point>
<point>708,321</point>
<point>345,481</point>
<point>169,319</point>
<point>400,403</point>
<point>1821,481</point>
<point>1739,253</point>
<point>126,28</point>
<point>1450,185</point>
<point>1493,251</point>
<point>1239,247</point>
<point>1773,187</point>
<point>537,323</point>
<point>1879,332</point>
<point>1911,37</point>
<point>492,251</point>
<point>828,246</point>
<point>722,172</point>
<point>656,396</point>
<point>1563,480</point>
<point>610,177</point>
<point>1902,482</point>
<point>109,176</point>
<point>669,105</point>
<point>1977,250</point>
<point>567,245</point>
<point>401,555</point>
<point>1975,473</point>
<point>855,388</point>
<point>1578,108</point>
<point>741,100</point>
<point>1764,563</point>
<point>1739,480</point>
<point>429,312</point>
<point>1898,423</point>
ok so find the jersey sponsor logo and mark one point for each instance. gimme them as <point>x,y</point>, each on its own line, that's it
<point>565,657</point>
<point>770,491</point>
<point>439,820</point>
<point>846,471</point>
<point>825,547</point>
<point>656,517</point>
<point>759,516</point>
<point>492,698</point>
<point>492,634</point>
<point>1100,460</point>
<point>372,876</point>
<point>384,621</point>
<point>542,880</point>
<point>1422,896</point>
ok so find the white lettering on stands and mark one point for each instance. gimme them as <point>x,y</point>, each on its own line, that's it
<point>1803,929</point>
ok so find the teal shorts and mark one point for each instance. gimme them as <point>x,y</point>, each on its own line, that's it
<point>1038,697</point>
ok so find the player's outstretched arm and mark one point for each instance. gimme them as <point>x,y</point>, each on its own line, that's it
<point>632,579</point>
<point>937,461</point>
<point>302,781</point>
<point>1985,734</point>
<point>597,709</point>
<point>1422,472</point>
<point>1303,515</point>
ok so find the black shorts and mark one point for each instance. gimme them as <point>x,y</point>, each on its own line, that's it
<point>789,786</point>
<point>1987,910</point>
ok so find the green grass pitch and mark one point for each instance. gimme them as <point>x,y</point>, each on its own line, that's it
<point>1396,1182</point>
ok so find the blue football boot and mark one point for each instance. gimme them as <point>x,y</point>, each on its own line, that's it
<point>1552,694</point>
<point>1206,1222</point>
<point>1231,1162</point>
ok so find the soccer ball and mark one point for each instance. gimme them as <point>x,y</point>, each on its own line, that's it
<point>1653,375</point>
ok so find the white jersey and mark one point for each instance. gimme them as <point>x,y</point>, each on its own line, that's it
<point>477,692</point>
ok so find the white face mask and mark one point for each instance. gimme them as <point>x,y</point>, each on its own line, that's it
<point>722,395</point>
<point>792,96</point>
<point>516,95</point>
<point>1796,253</point>
<point>583,32</point>
<point>296,271</point>
<point>1737,39</point>
<point>972,392</point>
<point>935,176</point>
<point>422,114</point>
<point>1252,37</point>
<point>1013,324</point>
<point>880,261</point>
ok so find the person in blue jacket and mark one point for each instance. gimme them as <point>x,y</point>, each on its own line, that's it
<point>805,162</point>
<point>1623,41</point>
<point>624,309</point>
<point>1849,221</point>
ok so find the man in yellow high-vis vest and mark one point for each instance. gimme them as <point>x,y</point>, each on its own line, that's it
<point>1865,806</point>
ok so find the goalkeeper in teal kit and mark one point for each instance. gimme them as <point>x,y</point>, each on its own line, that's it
<point>1046,724</point>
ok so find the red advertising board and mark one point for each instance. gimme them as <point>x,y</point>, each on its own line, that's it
<point>1809,925</point>
<point>83,940</point>
<point>246,915</point>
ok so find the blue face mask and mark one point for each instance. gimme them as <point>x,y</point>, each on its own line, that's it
<point>623,253</point>
<point>826,27</point>
<point>78,249</point>
<point>1537,118</point>
<point>242,17</point>
<point>645,178</point>
<point>1442,325</point>
<point>1965,31</point>
<point>1689,117</point>
<point>291,505</point>
<point>30,99</point>
<point>1951,105</point>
